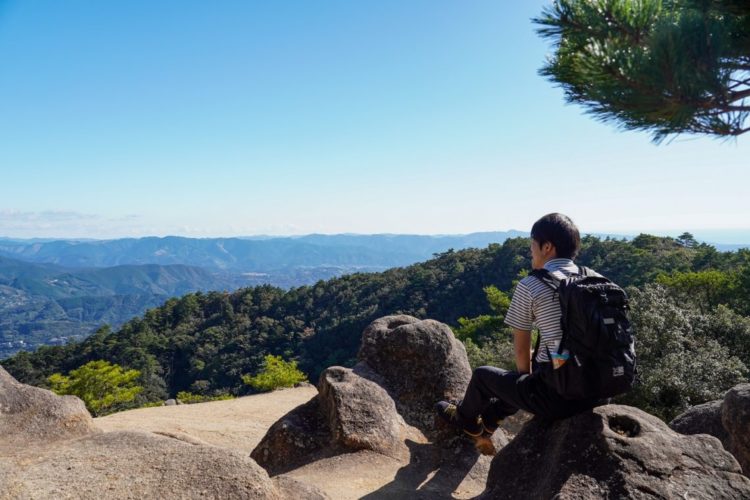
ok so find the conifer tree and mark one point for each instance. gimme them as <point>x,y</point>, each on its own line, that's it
<point>664,66</point>
<point>100,384</point>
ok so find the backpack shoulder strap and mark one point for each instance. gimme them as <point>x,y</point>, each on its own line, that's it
<point>546,277</point>
<point>552,282</point>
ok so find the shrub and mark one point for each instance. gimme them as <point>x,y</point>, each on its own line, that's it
<point>187,398</point>
<point>152,404</point>
<point>485,327</point>
<point>103,386</point>
<point>276,373</point>
<point>497,351</point>
<point>678,364</point>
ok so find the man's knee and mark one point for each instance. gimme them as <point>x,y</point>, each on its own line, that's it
<point>488,372</point>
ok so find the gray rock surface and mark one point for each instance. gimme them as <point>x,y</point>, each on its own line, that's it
<point>350,413</point>
<point>359,413</point>
<point>406,365</point>
<point>613,451</point>
<point>726,419</point>
<point>735,415</point>
<point>294,439</point>
<point>30,416</point>
<point>293,489</point>
<point>137,465</point>
<point>49,448</point>
<point>420,362</point>
<point>702,419</point>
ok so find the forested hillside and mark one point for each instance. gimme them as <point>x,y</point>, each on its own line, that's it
<point>690,301</point>
<point>49,304</point>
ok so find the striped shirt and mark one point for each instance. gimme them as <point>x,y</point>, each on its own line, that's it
<point>534,304</point>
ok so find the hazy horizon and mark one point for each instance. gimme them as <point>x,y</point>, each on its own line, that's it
<point>248,118</point>
<point>724,237</point>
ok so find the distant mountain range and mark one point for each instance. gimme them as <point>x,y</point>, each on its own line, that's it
<point>238,255</point>
<point>52,291</point>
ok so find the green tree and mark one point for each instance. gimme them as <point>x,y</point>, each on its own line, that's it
<point>485,326</point>
<point>704,289</point>
<point>687,240</point>
<point>497,351</point>
<point>204,342</point>
<point>684,357</point>
<point>276,373</point>
<point>101,385</point>
<point>664,66</point>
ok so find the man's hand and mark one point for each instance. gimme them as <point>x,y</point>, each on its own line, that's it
<point>522,345</point>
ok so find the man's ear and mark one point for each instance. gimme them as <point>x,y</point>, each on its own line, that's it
<point>548,247</point>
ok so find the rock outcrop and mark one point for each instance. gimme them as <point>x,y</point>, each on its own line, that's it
<point>726,419</point>
<point>384,405</point>
<point>613,451</point>
<point>50,448</point>
<point>127,464</point>
<point>735,415</point>
<point>702,419</point>
<point>384,400</point>
<point>373,418</point>
<point>360,414</point>
<point>420,362</point>
<point>31,416</point>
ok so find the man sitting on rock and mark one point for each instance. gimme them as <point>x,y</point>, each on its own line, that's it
<point>494,393</point>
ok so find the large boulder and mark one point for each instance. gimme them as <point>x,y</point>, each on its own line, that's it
<point>735,415</point>
<point>350,413</point>
<point>379,415</point>
<point>613,451</point>
<point>49,448</point>
<point>726,419</point>
<point>300,436</point>
<point>360,413</point>
<point>31,416</point>
<point>420,362</point>
<point>375,406</point>
<point>702,419</point>
<point>126,464</point>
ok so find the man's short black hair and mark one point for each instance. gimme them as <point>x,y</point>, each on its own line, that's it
<point>559,230</point>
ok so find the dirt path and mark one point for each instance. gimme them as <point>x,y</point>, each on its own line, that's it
<point>236,423</point>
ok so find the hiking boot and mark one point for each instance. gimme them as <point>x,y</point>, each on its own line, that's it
<point>449,413</point>
<point>488,428</point>
<point>483,443</point>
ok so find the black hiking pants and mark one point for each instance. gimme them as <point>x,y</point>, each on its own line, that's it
<point>495,393</point>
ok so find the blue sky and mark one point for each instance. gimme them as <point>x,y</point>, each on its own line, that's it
<point>243,117</point>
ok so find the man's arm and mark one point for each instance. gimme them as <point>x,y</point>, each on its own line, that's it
<point>522,345</point>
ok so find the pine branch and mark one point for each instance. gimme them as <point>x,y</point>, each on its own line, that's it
<point>738,96</point>
<point>738,83</point>
<point>727,109</point>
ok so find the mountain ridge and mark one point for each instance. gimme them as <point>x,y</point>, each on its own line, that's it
<point>47,303</point>
<point>378,252</point>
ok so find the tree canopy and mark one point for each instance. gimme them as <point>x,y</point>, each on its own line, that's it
<point>202,345</point>
<point>100,384</point>
<point>663,66</point>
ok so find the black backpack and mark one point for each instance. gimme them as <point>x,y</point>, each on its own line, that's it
<point>600,362</point>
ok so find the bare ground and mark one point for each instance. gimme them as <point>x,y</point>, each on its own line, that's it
<point>240,424</point>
